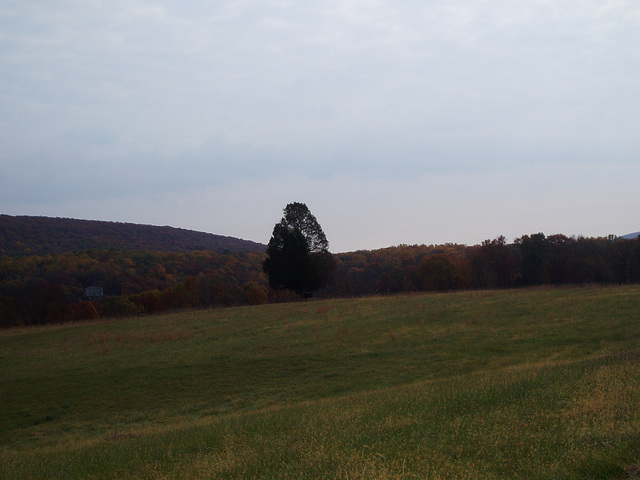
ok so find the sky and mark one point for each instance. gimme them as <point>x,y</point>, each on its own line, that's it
<point>395,122</point>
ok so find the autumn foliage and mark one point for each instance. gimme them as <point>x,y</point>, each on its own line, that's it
<point>50,288</point>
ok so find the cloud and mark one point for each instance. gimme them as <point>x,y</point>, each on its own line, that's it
<point>367,213</point>
<point>114,101</point>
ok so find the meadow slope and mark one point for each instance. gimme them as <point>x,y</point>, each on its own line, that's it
<point>531,384</point>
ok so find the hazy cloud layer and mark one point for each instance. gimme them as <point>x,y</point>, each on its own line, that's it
<point>478,117</point>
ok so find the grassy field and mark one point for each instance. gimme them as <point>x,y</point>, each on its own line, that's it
<point>531,384</point>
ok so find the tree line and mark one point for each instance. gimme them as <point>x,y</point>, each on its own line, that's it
<point>50,288</point>
<point>530,260</point>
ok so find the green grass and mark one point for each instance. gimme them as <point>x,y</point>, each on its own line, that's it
<point>532,384</point>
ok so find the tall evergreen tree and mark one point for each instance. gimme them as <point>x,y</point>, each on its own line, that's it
<point>298,256</point>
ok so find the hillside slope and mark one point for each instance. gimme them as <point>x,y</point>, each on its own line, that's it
<point>27,235</point>
<point>509,384</point>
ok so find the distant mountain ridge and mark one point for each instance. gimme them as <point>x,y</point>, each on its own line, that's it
<point>31,235</point>
<point>631,236</point>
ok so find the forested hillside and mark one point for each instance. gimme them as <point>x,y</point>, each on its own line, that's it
<point>26,235</point>
<point>52,287</point>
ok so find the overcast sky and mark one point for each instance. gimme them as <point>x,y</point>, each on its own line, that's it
<point>405,121</point>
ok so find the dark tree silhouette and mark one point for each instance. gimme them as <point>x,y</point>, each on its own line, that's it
<point>298,256</point>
